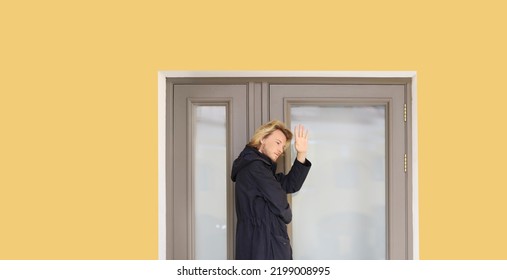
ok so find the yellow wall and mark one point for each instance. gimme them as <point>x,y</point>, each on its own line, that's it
<point>78,108</point>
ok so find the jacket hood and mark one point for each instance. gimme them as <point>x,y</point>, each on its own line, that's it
<point>247,156</point>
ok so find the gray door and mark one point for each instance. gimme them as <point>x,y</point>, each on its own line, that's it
<point>202,146</point>
<point>350,206</point>
<point>355,203</point>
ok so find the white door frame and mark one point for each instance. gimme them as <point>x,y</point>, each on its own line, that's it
<point>162,110</point>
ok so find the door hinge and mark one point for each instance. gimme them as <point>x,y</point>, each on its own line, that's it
<point>405,112</point>
<point>405,168</point>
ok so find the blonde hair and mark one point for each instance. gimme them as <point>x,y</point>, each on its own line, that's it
<point>266,129</point>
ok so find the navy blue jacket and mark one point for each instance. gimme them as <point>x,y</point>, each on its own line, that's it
<point>262,208</point>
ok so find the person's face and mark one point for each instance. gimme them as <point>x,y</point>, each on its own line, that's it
<point>272,145</point>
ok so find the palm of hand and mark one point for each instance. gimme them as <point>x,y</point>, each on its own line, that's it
<point>300,139</point>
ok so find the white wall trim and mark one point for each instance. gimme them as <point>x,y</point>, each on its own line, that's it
<point>162,166</point>
<point>415,170</point>
<point>277,74</point>
<point>163,75</point>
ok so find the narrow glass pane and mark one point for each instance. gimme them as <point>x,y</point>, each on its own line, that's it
<point>340,213</point>
<point>210,182</point>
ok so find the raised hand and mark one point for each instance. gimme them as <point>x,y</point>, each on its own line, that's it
<point>301,142</point>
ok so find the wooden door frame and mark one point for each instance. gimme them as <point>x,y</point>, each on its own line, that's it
<point>162,130</point>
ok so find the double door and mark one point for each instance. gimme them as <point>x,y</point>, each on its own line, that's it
<point>355,202</point>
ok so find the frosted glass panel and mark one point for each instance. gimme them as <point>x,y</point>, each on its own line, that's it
<point>340,213</point>
<point>210,181</point>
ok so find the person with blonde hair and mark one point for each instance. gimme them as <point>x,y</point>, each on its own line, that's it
<point>262,208</point>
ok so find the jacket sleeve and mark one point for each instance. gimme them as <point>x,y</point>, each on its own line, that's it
<point>270,188</point>
<point>293,181</point>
